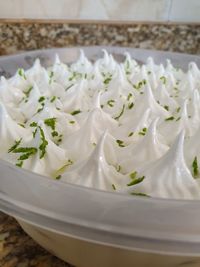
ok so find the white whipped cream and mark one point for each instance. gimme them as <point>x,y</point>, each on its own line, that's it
<point>121,127</point>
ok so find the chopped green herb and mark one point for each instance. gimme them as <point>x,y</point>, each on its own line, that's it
<point>195,167</point>
<point>169,118</point>
<point>53,99</point>
<point>16,144</point>
<point>21,124</point>
<point>166,107</point>
<point>102,106</point>
<point>51,122</point>
<point>118,168</point>
<point>72,122</point>
<point>178,109</point>
<point>121,113</point>
<point>139,194</point>
<point>143,131</point>
<point>133,175</point>
<point>75,112</point>
<point>21,73</point>
<point>178,118</point>
<point>43,144</point>
<point>163,79</point>
<point>120,143</point>
<point>113,186</point>
<point>129,96</point>
<point>27,93</point>
<point>111,103</point>
<point>139,85</point>
<point>131,105</point>
<point>41,99</point>
<point>54,133</point>
<point>130,134</point>
<point>58,177</point>
<point>19,164</point>
<point>68,87</point>
<point>33,124</point>
<point>136,181</point>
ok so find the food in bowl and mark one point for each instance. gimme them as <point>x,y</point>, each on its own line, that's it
<point>120,127</point>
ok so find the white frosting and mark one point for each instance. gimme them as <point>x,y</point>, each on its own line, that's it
<point>113,126</point>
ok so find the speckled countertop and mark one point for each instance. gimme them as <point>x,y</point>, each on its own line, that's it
<point>16,248</point>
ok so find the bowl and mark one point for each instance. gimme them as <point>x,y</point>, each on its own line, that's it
<point>88,227</point>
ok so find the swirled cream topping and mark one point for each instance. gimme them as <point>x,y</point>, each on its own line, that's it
<point>122,127</point>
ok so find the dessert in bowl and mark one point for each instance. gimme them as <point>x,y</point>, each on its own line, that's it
<point>123,127</point>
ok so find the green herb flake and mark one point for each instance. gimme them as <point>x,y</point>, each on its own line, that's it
<point>178,109</point>
<point>139,85</point>
<point>120,143</point>
<point>136,181</point>
<point>41,99</point>
<point>21,73</point>
<point>27,93</point>
<point>114,187</point>
<point>133,175</point>
<point>111,102</point>
<point>53,99</point>
<point>139,194</point>
<point>16,144</point>
<point>107,80</point>
<point>121,113</point>
<point>166,107</point>
<point>118,168</point>
<point>33,124</point>
<point>131,105</point>
<point>143,131</point>
<point>43,144</point>
<point>58,177</point>
<point>54,133</point>
<point>178,118</point>
<point>71,122</point>
<point>163,79</point>
<point>169,118</point>
<point>75,112</point>
<point>19,164</point>
<point>195,167</point>
<point>129,96</point>
<point>130,134</point>
<point>50,122</point>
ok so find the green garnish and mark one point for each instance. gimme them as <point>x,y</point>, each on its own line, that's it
<point>130,134</point>
<point>143,131</point>
<point>113,186</point>
<point>121,113</point>
<point>178,118</point>
<point>163,79</point>
<point>139,85</point>
<point>54,133</point>
<point>139,194</point>
<point>120,143</point>
<point>118,168</point>
<point>33,124</point>
<point>111,103</point>
<point>43,144</point>
<point>51,122</point>
<point>21,124</point>
<point>21,73</point>
<point>26,152</point>
<point>53,99</point>
<point>41,99</point>
<point>72,122</point>
<point>133,175</point>
<point>107,80</point>
<point>178,109</point>
<point>58,177</point>
<point>27,93</point>
<point>19,164</point>
<point>75,112</point>
<point>166,107</point>
<point>131,105</point>
<point>169,118</point>
<point>136,181</point>
<point>195,167</point>
<point>129,96</point>
<point>16,144</point>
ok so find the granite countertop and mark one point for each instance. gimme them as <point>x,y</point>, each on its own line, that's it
<point>16,248</point>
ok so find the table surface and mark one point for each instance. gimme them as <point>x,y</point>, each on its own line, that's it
<point>17,249</point>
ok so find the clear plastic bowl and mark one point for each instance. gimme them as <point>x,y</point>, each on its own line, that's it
<point>88,227</point>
